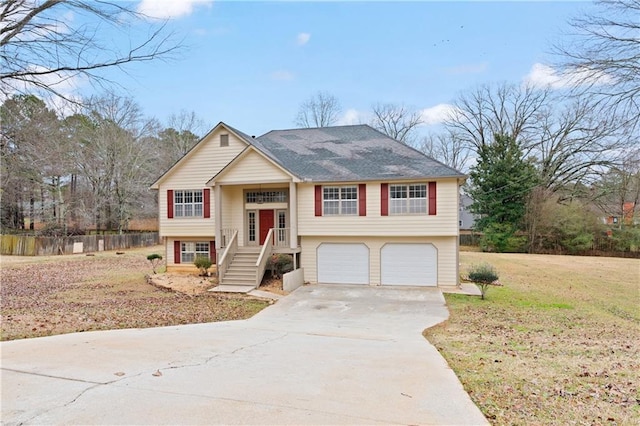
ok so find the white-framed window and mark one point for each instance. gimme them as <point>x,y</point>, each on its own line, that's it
<point>408,199</point>
<point>190,250</point>
<point>187,203</point>
<point>340,200</point>
<point>278,196</point>
<point>252,226</point>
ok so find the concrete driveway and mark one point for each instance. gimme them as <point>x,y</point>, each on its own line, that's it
<point>322,355</point>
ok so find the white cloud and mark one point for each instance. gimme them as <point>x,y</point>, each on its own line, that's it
<point>545,76</point>
<point>437,114</point>
<point>282,75</point>
<point>352,116</point>
<point>303,38</point>
<point>168,9</point>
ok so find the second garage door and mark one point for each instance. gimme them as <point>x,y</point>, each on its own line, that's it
<point>409,264</point>
<point>343,263</point>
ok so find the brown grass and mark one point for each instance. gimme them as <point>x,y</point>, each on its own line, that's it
<point>558,344</point>
<point>41,296</point>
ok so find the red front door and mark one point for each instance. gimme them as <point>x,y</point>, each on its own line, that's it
<point>266,223</point>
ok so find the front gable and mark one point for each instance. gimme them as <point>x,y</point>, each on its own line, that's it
<point>210,155</point>
<point>251,166</point>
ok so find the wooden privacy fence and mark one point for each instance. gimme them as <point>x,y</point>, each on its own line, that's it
<point>21,245</point>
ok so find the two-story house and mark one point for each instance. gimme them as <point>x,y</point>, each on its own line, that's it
<point>351,205</point>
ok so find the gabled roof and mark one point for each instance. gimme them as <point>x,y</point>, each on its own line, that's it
<point>347,153</point>
<point>241,135</point>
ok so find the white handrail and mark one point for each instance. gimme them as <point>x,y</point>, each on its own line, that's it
<point>227,254</point>
<point>265,253</point>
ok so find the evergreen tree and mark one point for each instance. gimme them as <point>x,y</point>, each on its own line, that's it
<point>500,184</point>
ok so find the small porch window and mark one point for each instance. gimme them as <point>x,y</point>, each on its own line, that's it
<point>260,197</point>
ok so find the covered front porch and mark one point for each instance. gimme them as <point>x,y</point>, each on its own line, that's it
<point>253,222</point>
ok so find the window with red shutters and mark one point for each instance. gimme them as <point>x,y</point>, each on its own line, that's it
<point>384,199</point>
<point>176,252</point>
<point>362,199</point>
<point>170,204</point>
<point>318,200</point>
<point>206,196</point>
<point>432,198</point>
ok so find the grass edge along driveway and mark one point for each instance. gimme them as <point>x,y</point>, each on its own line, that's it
<point>558,344</point>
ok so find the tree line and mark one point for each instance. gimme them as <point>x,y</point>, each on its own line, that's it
<point>89,170</point>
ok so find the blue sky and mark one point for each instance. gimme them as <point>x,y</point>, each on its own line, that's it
<point>251,64</point>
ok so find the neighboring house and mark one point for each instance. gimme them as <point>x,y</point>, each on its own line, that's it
<point>467,219</point>
<point>627,216</point>
<point>351,205</point>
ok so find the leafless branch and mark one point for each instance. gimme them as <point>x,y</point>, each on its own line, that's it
<point>41,48</point>
<point>320,110</point>
<point>396,121</point>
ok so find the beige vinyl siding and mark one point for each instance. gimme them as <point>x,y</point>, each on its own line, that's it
<point>252,168</point>
<point>233,210</point>
<point>444,223</point>
<point>206,160</point>
<point>446,246</point>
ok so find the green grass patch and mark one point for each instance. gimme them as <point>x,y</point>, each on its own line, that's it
<point>558,344</point>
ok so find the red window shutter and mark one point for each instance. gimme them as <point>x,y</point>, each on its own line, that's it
<point>362,199</point>
<point>432,198</point>
<point>176,252</point>
<point>212,252</point>
<point>206,200</point>
<point>384,199</point>
<point>170,203</point>
<point>318,200</point>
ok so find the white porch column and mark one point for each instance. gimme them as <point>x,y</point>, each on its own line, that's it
<point>217,205</point>
<point>293,215</point>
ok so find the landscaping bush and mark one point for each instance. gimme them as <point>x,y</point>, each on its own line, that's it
<point>280,264</point>
<point>155,260</point>
<point>484,275</point>
<point>203,263</point>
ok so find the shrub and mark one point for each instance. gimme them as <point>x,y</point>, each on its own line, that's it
<point>155,260</point>
<point>484,275</point>
<point>280,264</point>
<point>203,263</point>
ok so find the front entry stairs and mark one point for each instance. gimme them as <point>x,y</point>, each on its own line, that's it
<point>241,273</point>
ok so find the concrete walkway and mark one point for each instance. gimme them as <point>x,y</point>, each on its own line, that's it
<point>322,355</point>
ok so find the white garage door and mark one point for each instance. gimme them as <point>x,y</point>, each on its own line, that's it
<point>409,264</point>
<point>343,263</point>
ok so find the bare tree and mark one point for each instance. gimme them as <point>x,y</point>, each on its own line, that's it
<point>603,56</point>
<point>504,109</point>
<point>396,121</point>
<point>41,48</point>
<point>181,134</point>
<point>571,143</point>
<point>448,149</point>
<point>574,145</point>
<point>320,110</point>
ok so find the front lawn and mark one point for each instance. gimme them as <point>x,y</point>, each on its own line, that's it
<point>42,296</point>
<point>558,344</point>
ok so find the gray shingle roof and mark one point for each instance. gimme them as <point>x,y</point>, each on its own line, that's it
<point>347,153</point>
